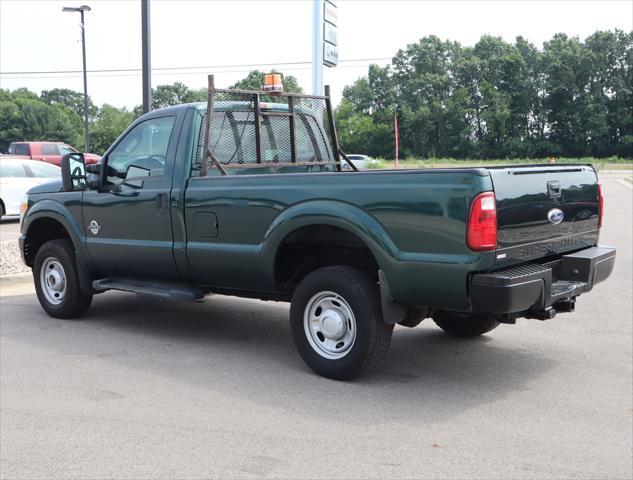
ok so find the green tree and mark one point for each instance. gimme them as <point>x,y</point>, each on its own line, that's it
<point>109,124</point>
<point>25,116</point>
<point>499,99</point>
<point>568,70</point>
<point>175,94</point>
<point>70,99</point>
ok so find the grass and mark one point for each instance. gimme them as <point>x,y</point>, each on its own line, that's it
<point>611,163</point>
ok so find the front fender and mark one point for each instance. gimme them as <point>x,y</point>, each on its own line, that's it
<point>56,211</point>
<point>69,216</point>
<point>337,214</point>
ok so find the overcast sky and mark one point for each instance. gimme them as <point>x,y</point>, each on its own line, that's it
<point>217,35</point>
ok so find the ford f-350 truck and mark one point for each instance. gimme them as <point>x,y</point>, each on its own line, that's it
<point>255,203</point>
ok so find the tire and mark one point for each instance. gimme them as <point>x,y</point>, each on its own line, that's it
<point>414,317</point>
<point>463,324</point>
<point>58,291</point>
<point>353,339</point>
<point>1,209</point>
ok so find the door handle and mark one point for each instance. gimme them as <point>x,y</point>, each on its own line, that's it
<point>161,203</point>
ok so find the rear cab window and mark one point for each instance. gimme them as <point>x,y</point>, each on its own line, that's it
<point>233,141</point>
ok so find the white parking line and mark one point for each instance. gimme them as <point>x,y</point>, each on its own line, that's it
<point>625,183</point>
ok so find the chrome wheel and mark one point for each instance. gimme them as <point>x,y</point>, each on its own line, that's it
<point>329,325</point>
<point>53,281</point>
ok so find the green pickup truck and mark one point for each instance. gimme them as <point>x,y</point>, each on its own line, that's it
<point>256,203</point>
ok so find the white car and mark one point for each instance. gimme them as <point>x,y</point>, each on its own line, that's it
<point>360,161</point>
<point>17,176</point>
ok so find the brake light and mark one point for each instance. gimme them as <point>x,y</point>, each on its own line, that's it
<point>600,205</point>
<point>481,232</point>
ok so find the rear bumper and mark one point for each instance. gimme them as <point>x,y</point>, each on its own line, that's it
<point>538,287</point>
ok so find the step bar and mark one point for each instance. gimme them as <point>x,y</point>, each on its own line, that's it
<point>175,292</point>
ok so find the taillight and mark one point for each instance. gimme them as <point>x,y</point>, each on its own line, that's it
<point>481,232</point>
<point>600,205</point>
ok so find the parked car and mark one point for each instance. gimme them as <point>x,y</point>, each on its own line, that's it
<point>258,206</point>
<point>360,161</point>
<point>17,176</point>
<point>50,152</point>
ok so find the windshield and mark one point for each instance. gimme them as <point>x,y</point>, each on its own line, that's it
<point>12,169</point>
<point>64,149</point>
<point>43,170</point>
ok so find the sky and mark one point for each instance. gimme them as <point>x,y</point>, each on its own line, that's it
<point>229,38</point>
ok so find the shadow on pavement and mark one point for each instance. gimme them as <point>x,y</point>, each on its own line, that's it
<point>243,348</point>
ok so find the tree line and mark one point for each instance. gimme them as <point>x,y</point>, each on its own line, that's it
<point>57,114</point>
<point>496,99</point>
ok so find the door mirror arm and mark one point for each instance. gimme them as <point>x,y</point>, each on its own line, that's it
<point>120,192</point>
<point>94,168</point>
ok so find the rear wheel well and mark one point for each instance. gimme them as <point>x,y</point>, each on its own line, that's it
<point>312,247</point>
<point>2,208</point>
<point>41,231</point>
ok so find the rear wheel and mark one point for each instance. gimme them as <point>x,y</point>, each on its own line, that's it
<point>336,322</point>
<point>465,325</point>
<point>57,282</point>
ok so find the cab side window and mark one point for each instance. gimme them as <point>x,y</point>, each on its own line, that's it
<point>142,151</point>
<point>49,149</point>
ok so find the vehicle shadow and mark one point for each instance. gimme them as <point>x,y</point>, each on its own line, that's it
<point>244,348</point>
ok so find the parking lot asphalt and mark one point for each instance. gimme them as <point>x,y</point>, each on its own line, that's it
<point>141,389</point>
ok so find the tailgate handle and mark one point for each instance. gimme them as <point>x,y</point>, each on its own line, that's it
<point>553,188</point>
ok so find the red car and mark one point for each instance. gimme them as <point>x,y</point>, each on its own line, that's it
<point>51,152</point>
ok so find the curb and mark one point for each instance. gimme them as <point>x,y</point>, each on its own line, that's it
<point>16,279</point>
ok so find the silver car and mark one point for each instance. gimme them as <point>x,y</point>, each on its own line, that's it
<point>17,176</point>
<point>360,161</point>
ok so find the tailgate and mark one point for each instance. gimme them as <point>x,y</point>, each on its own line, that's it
<point>544,210</point>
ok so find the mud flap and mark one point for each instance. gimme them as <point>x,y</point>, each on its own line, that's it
<point>392,312</point>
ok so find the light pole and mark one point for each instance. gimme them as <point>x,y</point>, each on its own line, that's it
<point>146,54</point>
<point>317,47</point>
<point>81,10</point>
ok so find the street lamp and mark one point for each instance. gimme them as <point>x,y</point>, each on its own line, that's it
<point>81,10</point>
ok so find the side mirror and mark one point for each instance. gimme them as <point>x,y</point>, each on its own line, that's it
<point>74,172</point>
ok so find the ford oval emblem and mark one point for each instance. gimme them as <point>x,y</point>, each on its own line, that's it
<point>555,216</point>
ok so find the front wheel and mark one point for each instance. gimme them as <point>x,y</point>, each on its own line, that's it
<point>336,322</point>
<point>465,325</point>
<point>57,282</point>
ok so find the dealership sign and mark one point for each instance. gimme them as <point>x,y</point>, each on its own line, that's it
<point>330,34</point>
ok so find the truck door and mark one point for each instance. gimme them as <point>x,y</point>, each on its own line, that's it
<point>127,221</point>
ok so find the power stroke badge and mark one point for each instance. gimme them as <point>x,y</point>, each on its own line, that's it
<point>94,227</point>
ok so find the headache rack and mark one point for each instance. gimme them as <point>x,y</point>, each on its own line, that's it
<point>251,129</point>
